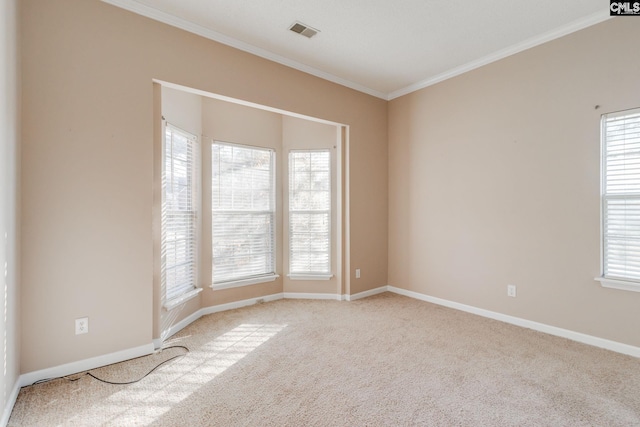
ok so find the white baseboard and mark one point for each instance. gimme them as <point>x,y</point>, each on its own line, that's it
<point>178,327</point>
<point>302,295</point>
<point>120,356</point>
<point>10,403</point>
<point>85,365</point>
<point>239,304</point>
<point>210,310</point>
<point>366,294</point>
<point>540,327</point>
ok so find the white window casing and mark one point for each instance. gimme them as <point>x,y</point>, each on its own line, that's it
<point>310,214</point>
<point>620,201</point>
<point>180,179</point>
<point>243,215</point>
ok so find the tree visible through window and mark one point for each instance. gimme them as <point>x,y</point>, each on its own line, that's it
<point>310,212</point>
<point>243,212</point>
<point>179,212</point>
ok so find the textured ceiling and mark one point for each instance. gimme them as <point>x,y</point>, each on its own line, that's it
<point>385,48</point>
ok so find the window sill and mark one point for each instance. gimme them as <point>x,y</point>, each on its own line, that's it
<point>173,303</point>
<point>619,284</point>
<point>300,276</point>
<point>245,282</point>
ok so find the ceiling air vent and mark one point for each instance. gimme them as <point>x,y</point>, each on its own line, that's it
<point>303,29</point>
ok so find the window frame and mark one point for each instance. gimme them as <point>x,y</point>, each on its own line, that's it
<point>311,275</point>
<point>183,293</point>
<point>606,280</point>
<point>252,279</point>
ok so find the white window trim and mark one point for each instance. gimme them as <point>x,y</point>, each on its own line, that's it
<point>188,293</point>
<point>609,282</point>
<point>295,276</point>
<point>269,277</point>
<point>624,285</point>
<point>177,301</point>
<point>303,275</point>
<point>245,282</point>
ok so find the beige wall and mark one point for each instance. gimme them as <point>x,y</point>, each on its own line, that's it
<point>183,110</point>
<point>493,176</point>
<point>87,166</point>
<point>9,203</point>
<point>494,180</point>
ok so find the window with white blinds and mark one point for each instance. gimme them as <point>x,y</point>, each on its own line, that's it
<point>179,212</point>
<point>621,196</point>
<point>309,212</point>
<point>243,212</point>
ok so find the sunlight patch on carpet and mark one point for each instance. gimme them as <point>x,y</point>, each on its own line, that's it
<point>144,402</point>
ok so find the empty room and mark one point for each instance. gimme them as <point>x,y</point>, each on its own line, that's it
<point>286,213</point>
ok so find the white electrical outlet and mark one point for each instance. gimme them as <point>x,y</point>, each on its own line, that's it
<point>82,325</point>
<point>511,290</point>
<point>357,273</point>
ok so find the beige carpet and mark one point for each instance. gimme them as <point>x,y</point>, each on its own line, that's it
<point>382,361</point>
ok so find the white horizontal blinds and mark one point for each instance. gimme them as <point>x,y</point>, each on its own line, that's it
<point>179,212</point>
<point>621,195</point>
<point>310,212</point>
<point>243,212</point>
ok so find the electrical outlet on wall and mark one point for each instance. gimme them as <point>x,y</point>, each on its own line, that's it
<point>82,325</point>
<point>511,290</point>
<point>357,273</point>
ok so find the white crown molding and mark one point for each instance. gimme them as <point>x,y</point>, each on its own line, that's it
<point>529,324</point>
<point>572,27</point>
<point>155,14</point>
<point>158,15</point>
